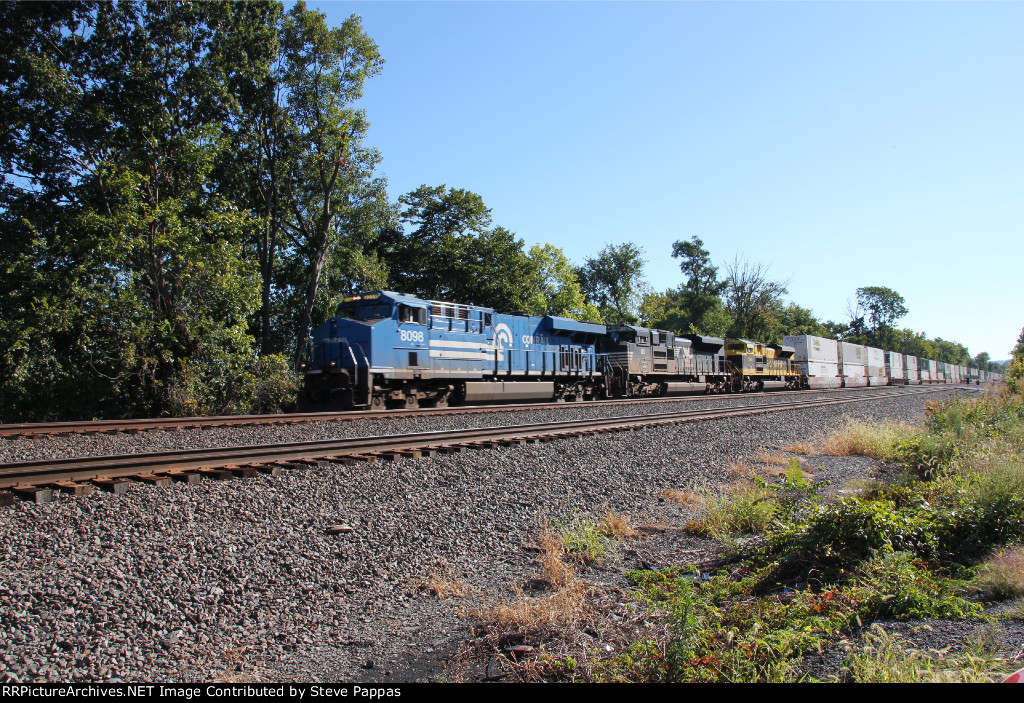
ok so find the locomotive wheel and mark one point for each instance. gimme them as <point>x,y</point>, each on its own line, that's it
<point>377,403</point>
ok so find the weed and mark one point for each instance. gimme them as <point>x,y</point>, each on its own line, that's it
<point>805,448</point>
<point>744,508</point>
<point>443,586</point>
<point>1002,575</point>
<point>898,585</point>
<point>563,606</point>
<point>738,468</point>
<point>554,570</point>
<point>885,658</point>
<point>584,540</point>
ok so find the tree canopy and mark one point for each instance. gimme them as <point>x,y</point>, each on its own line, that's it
<point>613,282</point>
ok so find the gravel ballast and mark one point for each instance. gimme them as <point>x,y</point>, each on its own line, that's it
<point>247,578</point>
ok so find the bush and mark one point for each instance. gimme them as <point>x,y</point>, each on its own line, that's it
<point>898,585</point>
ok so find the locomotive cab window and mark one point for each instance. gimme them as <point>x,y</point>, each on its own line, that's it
<point>407,313</point>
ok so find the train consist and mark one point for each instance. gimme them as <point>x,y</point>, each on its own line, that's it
<point>388,349</point>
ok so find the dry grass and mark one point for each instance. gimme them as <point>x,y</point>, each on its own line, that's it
<point>443,586</point>
<point>553,568</point>
<point>561,607</point>
<point>617,526</point>
<point>738,468</point>
<point>776,458</point>
<point>867,439</point>
<point>687,500</point>
<point>1002,575</point>
<point>805,448</point>
<point>564,605</point>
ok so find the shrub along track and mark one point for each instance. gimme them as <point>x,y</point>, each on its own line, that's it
<point>145,424</point>
<point>36,480</point>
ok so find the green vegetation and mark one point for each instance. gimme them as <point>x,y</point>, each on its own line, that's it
<point>583,540</point>
<point>824,569</point>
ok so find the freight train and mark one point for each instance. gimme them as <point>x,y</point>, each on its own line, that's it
<point>388,349</point>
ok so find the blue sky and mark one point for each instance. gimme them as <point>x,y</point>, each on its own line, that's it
<point>843,144</point>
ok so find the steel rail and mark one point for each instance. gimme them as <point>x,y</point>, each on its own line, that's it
<point>145,424</point>
<point>49,471</point>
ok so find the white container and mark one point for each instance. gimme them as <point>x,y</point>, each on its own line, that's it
<point>875,357</point>
<point>876,367</point>
<point>821,374</point>
<point>854,375</point>
<point>811,348</point>
<point>852,354</point>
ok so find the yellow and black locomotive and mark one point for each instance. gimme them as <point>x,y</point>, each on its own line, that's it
<point>756,366</point>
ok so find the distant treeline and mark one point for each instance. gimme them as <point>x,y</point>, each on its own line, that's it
<point>186,191</point>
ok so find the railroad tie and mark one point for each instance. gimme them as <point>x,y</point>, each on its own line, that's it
<point>117,486</point>
<point>154,480</point>
<point>33,494</point>
<point>73,488</point>
<point>242,471</point>
<point>269,469</point>
<point>216,474</point>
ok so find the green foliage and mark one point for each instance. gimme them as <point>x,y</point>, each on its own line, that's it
<point>583,540</point>
<point>898,585</point>
<point>156,157</point>
<point>795,320</point>
<point>450,252</point>
<point>754,301</point>
<point>745,509</point>
<point>1015,371</point>
<point>884,307</point>
<point>826,568</point>
<point>612,281</point>
<point>556,289</point>
<point>696,305</point>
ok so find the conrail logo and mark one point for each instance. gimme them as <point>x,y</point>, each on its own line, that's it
<point>502,336</point>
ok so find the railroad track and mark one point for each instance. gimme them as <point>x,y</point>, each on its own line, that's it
<point>37,479</point>
<point>145,424</point>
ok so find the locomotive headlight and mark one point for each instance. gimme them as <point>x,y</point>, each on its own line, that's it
<point>334,363</point>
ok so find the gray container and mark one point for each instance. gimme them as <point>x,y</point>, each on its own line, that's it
<point>911,370</point>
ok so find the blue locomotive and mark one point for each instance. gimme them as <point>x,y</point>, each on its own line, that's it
<point>387,349</point>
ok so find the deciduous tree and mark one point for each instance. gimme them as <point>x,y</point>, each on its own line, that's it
<point>612,282</point>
